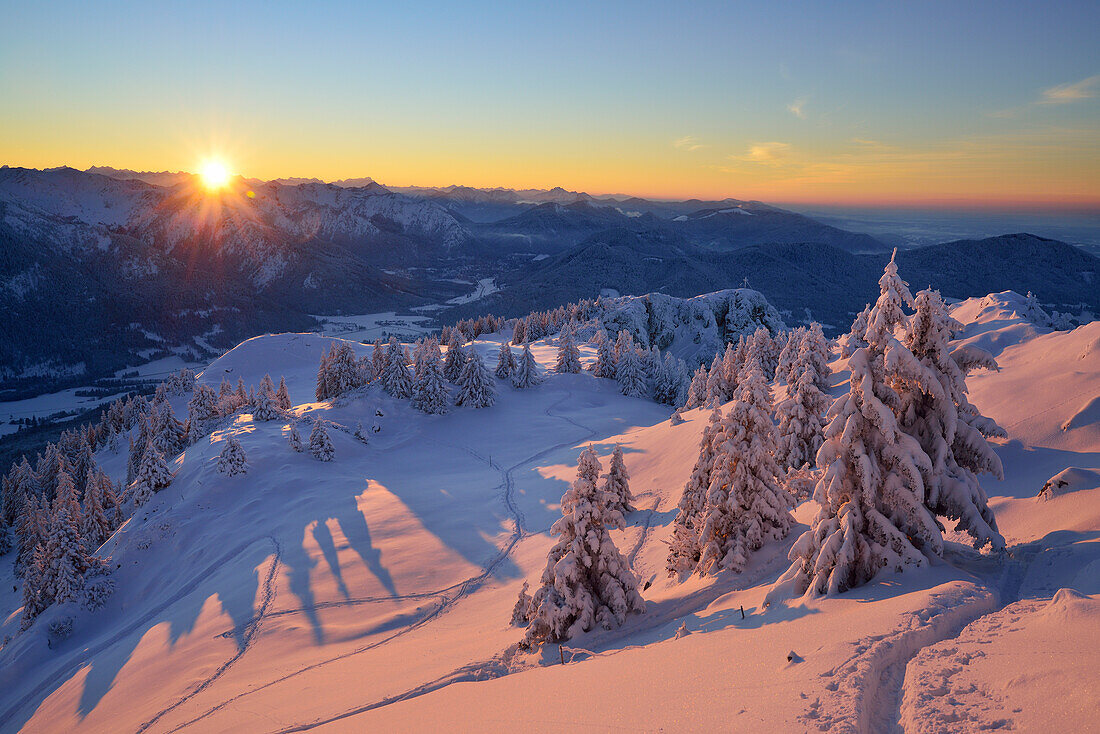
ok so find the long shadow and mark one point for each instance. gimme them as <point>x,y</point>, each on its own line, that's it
<point>299,566</point>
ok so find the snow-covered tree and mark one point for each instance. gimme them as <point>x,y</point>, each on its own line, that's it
<point>202,411</point>
<point>35,599</point>
<point>616,487</point>
<point>320,445</point>
<point>683,554</point>
<point>871,489</point>
<point>231,461</point>
<point>569,357</point>
<point>66,560</point>
<point>624,342</point>
<point>938,415</point>
<point>506,361</point>
<point>456,358</point>
<point>801,414</point>
<point>153,475</point>
<point>719,386</point>
<point>527,371</point>
<point>605,356</point>
<point>430,393</point>
<point>762,350</point>
<point>395,374</point>
<point>522,607</point>
<point>282,396</point>
<point>628,371</point>
<point>745,505</point>
<point>697,389</point>
<point>96,526</point>
<point>586,581</point>
<point>263,404</point>
<point>293,438</point>
<point>854,339</point>
<point>476,388</point>
<point>377,359</point>
<point>670,383</point>
<point>784,369</point>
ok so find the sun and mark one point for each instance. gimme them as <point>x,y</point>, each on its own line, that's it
<point>214,174</point>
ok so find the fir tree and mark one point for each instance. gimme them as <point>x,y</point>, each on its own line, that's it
<point>96,527</point>
<point>569,357</point>
<point>697,390</point>
<point>683,555</point>
<point>456,358</point>
<point>616,486</point>
<point>395,375</point>
<point>506,362</point>
<point>801,414</point>
<point>746,506</point>
<point>939,416</point>
<point>605,356</point>
<point>231,461</point>
<point>522,607</point>
<point>527,372</point>
<point>202,411</point>
<point>476,388</point>
<point>784,370</point>
<point>854,339</point>
<point>294,439</point>
<point>628,371</point>
<point>282,396</point>
<point>430,393</point>
<point>152,476</point>
<point>586,581</point>
<point>377,360</point>
<point>320,445</point>
<point>263,408</point>
<point>35,600</point>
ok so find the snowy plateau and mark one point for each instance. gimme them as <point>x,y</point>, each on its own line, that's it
<point>374,592</point>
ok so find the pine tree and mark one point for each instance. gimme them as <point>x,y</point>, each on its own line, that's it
<point>616,486</point>
<point>65,558</point>
<point>522,607</point>
<point>227,399</point>
<point>430,393</point>
<point>378,360</point>
<point>784,369</point>
<point>605,356</point>
<point>35,600</point>
<point>506,362</point>
<point>476,387</point>
<point>320,445</point>
<point>719,388</point>
<point>96,527</point>
<point>817,355</point>
<point>231,461</point>
<point>527,372</point>
<point>871,489</point>
<point>263,408</point>
<point>683,554</point>
<point>586,581</point>
<point>30,529</point>
<point>854,339</point>
<point>624,342</point>
<point>746,506</point>
<point>628,371</point>
<point>939,416</point>
<point>395,374</point>
<point>282,396</point>
<point>202,411</point>
<point>800,415</point>
<point>569,357</point>
<point>294,439</point>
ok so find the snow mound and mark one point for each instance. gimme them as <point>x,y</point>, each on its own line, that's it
<point>1070,479</point>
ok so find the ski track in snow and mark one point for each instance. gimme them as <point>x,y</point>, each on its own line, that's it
<point>866,691</point>
<point>472,672</point>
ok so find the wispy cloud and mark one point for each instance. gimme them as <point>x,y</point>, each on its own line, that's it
<point>767,153</point>
<point>688,142</point>
<point>1066,93</point>
<point>798,108</point>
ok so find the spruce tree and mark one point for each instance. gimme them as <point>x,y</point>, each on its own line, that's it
<point>939,416</point>
<point>395,374</point>
<point>153,475</point>
<point>697,390</point>
<point>605,356</point>
<point>294,439</point>
<point>569,357</point>
<point>616,486</point>
<point>745,506</point>
<point>628,371</point>
<point>527,372</point>
<point>320,445</point>
<point>506,362</point>
<point>377,360</point>
<point>586,582</point>
<point>801,415</point>
<point>476,387</point>
<point>96,527</point>
<point>430,393</point>
<point>282,396</point>
<point>231,461</point>
<point>202,411</point>
<point>683,554</point>
<point>456,358</point>
<point>35,600</point>
<point>784,371</point>
<point>871,489</point>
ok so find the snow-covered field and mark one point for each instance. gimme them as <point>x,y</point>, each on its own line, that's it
<point>374,593</point>
<point>371,326</point>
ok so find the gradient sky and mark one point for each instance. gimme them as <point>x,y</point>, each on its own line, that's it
<point>854,102</point>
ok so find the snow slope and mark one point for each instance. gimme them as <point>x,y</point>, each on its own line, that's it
<point>374,593</point>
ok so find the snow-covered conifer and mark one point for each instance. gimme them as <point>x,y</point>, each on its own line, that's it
<point>697,390</point>
<point>430,393</point>
<point>293,438</point>
<point>683,554</point>
<point>586,581</point>
<point>202,411</point>
<point>282,396</point>
<point>476,386</point>
<point>527,371</point>
<point>745,506</point>
<point>801,415</point>
<point>604,365</point>
<point>34,583</point>
<point>95,525</point>
<point>152,476</point>
<point>719,387</point>
<point>616,486</point>
<point>231,461</point>
<point>395,374</point>
<point>569,357</point>
<point>787,356</point>
<point>320,445</point>
<point>456,358</point>
<point>377,360</point>
<point>628,371</point>
<point>938,415</point>
<point>506,362</point>
<point>854,339</point>
<point>522,607</point>
<point>263,408</point>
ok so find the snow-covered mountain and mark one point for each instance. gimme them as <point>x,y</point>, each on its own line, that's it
<point>375,592</point>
